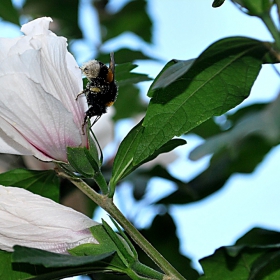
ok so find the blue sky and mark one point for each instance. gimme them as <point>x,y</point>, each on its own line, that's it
<point>183,29</point>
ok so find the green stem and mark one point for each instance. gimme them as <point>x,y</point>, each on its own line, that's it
<point>107,204</point>
<point>266,18</point>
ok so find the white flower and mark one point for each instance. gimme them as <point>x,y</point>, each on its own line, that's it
<point>30,220</point>
<point>39,81</point>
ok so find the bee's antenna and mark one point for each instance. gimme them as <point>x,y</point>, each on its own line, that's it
<point>112,62</point>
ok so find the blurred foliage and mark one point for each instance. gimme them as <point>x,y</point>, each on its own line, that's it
<point>63,12</point>
<point>162,234</point>
<point>8,12</point>
<point>255,256</point>
<point>236,145</point>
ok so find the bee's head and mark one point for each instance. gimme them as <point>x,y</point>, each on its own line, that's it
<point>91,69</point>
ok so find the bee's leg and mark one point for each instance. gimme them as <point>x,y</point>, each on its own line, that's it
<point>83,125</point>
<point>80,93</point>
<point>96,119</point>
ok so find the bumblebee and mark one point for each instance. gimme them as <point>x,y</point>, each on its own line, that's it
<point>101,90</point>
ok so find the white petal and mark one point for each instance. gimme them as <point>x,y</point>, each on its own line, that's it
<point>37,26</point>
<point>30,220</point>
<point>40,118</point>
<point>39,81</point>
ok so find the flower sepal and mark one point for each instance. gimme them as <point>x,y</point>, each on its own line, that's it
<point>82,162</point>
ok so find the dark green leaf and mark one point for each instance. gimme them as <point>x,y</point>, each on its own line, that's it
<point>79,160</point>
<point>221,266</point>
<point>66,22</point>
<point>220,79</point>
<point>124,55</point>
<point>48,259</point>
<point>128,103</point>
<point>255,256</point>
<point>266,267</point>
<point>162,230</point>
<point>29,263</point>
<point>44,183</point>
<point>174,72</point>
<point>14,271</point>
<point>132,18</point>
<point>217,3</point>
<point>8,11</point>
<point>255,238</point>
<point>124,76</point>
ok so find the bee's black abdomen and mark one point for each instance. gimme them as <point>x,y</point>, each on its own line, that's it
<point>101,90</point>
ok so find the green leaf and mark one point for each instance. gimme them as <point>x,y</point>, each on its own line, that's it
<point>8,11</point>
<point>220,79</point>
<point>82,161</point>
<point>255,238</point>
<point>255,123</point>
<point>217,3</point>
<point>124,75</point>
<point>221,266</point>
<point>123,163</point>
<point>132,18</point>
<point>29,263</point>
<point>255,7</point>
<point>266,267</point>
<point>13,271</point>
<point>66,22</point>
<point>106,245</point>
<point>44,183</point>
<point>124,251</point>
<point>48,259</point>
<point>127,240</point>
<point>124,55</point>
<point>175,69</point>
<point>255,256</point>
<point>128,94</point>
<point>93,149</point>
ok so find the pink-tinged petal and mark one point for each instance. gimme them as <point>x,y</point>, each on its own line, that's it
<point>30,220</point>
<point>46,124</point>
<point>9,146</point>
<point>39,81</point>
